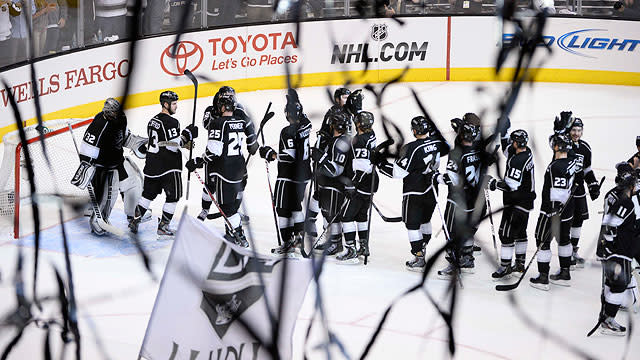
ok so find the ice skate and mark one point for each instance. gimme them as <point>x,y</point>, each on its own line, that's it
<point>541,282</point>
<point>288,248</point>
<point>519,266</point>
<point>562,278</point>
<point>416,264</point>
<point>349,256</point>
<point>503,273</point>
<point>240,239</point>
<point>477,250</point>
<point>577,262</point>
<point>448,272</point>
<point>334,248</point>
<point>203,214</point>
<point>164,232</point>
<point>363,250</point>
<point>611,327</point>
<point>467,264</point>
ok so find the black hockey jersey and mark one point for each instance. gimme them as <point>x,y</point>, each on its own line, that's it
<point>463,168</point>
<point>239,113</point>
<point>224,156</point>
<point>294,162</point>
<point>620,225</point>
<point>416,164</point>
<point>359,168</point>
<point>558,183</point>
<point>519,184</point>
<point>162,160</point>
<point>332,166</point>
<point>103,141</point>
<point>582,152</point>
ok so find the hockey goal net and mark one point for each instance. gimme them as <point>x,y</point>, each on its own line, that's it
<point>50,181</point>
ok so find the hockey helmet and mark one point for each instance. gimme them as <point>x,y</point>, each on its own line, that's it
<point>364,120</point>
<point>227,103</point>
<point>293,112</point>
<point>339,121</point>
<point>561,141</point>
<point>520,137</point>
<point>227,91</point>
<point>577,122</point>
<point>168,96</point>
<point>339,93</point>
<point>111,108</point>
<point>626,180</point>
<point>420,125</point>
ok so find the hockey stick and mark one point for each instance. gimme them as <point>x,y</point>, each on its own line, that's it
<point>94,202</point>
<point>493,230</point>
<point>245,218</point>
<point>193,79</point>
<point>226,219</point>
<point>267,116</point>
<point>508,287</point>
<point>377,149</point>
<point>385,218</point>
<point>446,234</point>
<point>273,204</point>
<point>344,204</point>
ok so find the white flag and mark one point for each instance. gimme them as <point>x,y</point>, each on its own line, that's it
<point>207,286</point>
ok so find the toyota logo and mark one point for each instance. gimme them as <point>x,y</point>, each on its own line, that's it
<point>177,58</point>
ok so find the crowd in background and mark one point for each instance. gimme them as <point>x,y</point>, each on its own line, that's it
<point>55,23</point>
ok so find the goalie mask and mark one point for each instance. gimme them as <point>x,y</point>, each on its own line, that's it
<point>111,108</point>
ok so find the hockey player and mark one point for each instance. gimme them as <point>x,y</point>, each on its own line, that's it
<point>582,152</point>
<point>163,165</point>
<point>360,171</point>
<point>225,167</point>
<point>417,165</point>
<point>556,214</point>
<point>622,245</point>
<point>213,112</point>
<point>518,189</point>
<point>463,179</point>
<point>294,172</point>
<point>104,165</point>
<point>329,173</point>
<point>324,136</point>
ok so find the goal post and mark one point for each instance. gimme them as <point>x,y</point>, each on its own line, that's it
<point>55,181</point>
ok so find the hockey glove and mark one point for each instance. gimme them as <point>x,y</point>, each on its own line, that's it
<point>439,178</point>
<point>492,184</point>
<point>594,190</point>
<point>318,155</point>
<point>83,175</point>
<point>189,145</point>
<point>267,153</point>
<point>456,124</point>
<point>189,133</point>
<point>193,164</point>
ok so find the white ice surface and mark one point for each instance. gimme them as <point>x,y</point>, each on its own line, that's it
<point>116,295</point>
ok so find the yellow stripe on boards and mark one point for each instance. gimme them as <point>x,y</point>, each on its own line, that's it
<point>353,77</point>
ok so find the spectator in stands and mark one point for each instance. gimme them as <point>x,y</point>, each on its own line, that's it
<point>111,19</point>
<point>153,17</point>
<point>131,8</point>
<point>627,9</point>
<point>39,26</point>
<point>8,9</point>
<point>71,26</point>
<point>19,32</point>
<point>56,19</point>
<point>259,10</point>
<point>176,11</point>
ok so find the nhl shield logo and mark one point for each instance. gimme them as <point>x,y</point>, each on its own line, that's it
<point>379,32</point>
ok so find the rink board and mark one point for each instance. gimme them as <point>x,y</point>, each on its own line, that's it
<point>249,58</point>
